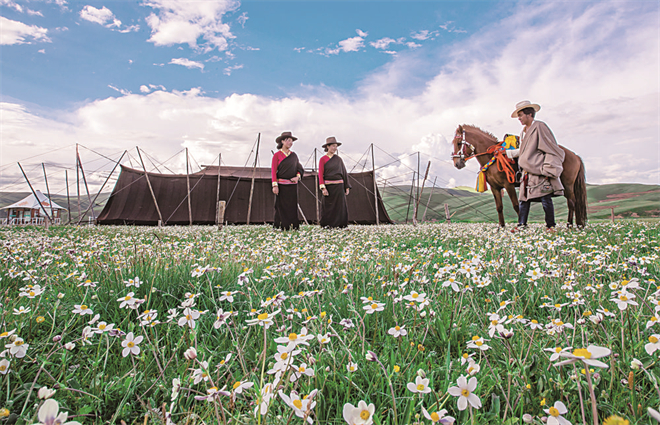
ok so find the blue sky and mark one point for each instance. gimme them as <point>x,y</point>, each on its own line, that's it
<point>209,76</point>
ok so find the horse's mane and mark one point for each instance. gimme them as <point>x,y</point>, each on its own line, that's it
<point>475,128</point>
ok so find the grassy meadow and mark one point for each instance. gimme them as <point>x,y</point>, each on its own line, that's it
<point>439,323</point>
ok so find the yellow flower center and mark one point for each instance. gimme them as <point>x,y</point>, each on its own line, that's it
<point>188,317</point>
<point>284,356</point>
<point>474,338</point>
<point>19,342</point>
<point>466,355</point>
<point>415,295</point>
<point>557,349</point>
<point>297,403</point>
<point>653,339</point>
<point>465,392</point>
<point>262,316</point>
<point>396,328</point>
<point>582,352</point>
<point>623,298</point>
<point>83,307</point>
<point>420,387</point>
<point>479,343</point>
<point>494,322</point>
<point>101,326</point>
<point>32,293</point>
<point>293,337</point>
<point>301,369</point>
<point>127,297</point>
<point>236,384</point>
<point>374,306</point>
<point>553,411</point>
<point>435,417</point>
<point>130,344</point>
<point>364,415</point>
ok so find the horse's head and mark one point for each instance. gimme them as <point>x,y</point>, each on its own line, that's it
<point>462,148</point>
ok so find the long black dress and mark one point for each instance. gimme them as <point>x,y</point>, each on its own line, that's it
<point>334,210</point>
<point>286,202</point>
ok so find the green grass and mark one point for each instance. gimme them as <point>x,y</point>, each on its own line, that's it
<point>318,278</point>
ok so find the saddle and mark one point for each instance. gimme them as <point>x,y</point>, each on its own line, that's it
<point>511,141</point>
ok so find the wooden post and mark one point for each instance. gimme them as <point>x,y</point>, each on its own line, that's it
<point>612,215</point>
<point>419,197</point>
<point>102,186</point>
<point>50,202</point>
<point>429,201</point>
<point>68,200</point>
<point>318,214</point>
<point>32,189</point>
<point>303,214</point>
<point>254,171</point>
<point>373,167</point>
<point>217,197</point>
<point>412,187</point>
<point>153,196</point>
<point>188,186</point>
<point>221,213</point>
<point>447,216</point>
<point>89,197</point>
<point>78,180</point>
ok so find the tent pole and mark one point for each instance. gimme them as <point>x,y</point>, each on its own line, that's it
<point>188,186</point>
<point>419,194</point>
<point>318,215</point>
<point>50,202</point>
<point>102,186</point>
<point>217,194</point>
<point>429,201</point>
<point>33,191</point>
<point>78,180</point>
<point>89,197</point>
<point>68,199</point>
<point>410,197</point>
<point>373,167</point>
<point>254,170</point>
<point>153,196</point>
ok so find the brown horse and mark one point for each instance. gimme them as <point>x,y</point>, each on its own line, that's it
<point>470,141</point>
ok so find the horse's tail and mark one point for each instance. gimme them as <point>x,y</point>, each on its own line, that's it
<point>580,191</point>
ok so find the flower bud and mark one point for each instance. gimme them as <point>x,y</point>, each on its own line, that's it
<point>45,393</point>
<point>190,354</point>
<point>421,373</point>
<point>636,364</point>
<point>527,418</point>
<point>371,356</point>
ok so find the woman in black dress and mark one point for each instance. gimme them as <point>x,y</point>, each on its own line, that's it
<point>286,172</point>
<point>333,181</point>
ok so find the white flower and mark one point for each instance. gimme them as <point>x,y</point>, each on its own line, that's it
<point>465,393</point>
<point>295,339</point>
<point>4,366</point>
<point>301,407</point>
<point>133,282</point>
<point>22,310</point>
<point>556,352</point>
<point>45,393</point>
<point>299,371</point>
<point>421,385</point>
<point>438,417</point>
<point>374,307</point>
<point>360,415</point>
<point>478,343</point>
<point>176,386</point>
<point>624,299</point>
<point>264,319</point>
<point>127,301</point>
<point>586,355</point>
<point>18,348</point>
<point>398,331</point>
<point>49,414</point>
<point>653,344</point>
<point>130,345</point>
<point>189,317</point>
<point>351,367</point>
<point>555,413</point>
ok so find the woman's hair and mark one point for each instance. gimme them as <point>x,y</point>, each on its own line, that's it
<point>279,144</point>
<point>325,148</point>
<point>529,111</point>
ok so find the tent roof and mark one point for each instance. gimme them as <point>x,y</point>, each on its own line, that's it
<point>240,172</point>
<point>30,202</point>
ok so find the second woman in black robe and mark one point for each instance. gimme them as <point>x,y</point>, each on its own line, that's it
<point>333,181</point>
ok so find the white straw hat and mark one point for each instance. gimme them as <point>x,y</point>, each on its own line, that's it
<point>524,104</point>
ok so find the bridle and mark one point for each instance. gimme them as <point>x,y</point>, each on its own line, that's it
<point>461,143</point>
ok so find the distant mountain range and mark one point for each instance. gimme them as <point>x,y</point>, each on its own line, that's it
<point>464,204</point>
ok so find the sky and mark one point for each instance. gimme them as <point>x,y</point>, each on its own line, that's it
<point>215,76</point>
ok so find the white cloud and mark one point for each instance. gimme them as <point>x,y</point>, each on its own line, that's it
<point>144,89</point>
<point>15,32</point>
<point>187,63</point>
<point>597,86</point>
<point>9,3</point>
<point>97,16</point>
<point>423,35</point>
<point>117,89</point>
<point>383,43</point>
<point>34,13</point>
<point>187,22</point>
<point>361,33</point>
<point>351,44</point>
<point>230,69</point>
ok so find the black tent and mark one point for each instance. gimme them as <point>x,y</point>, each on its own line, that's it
<point>131,201</point>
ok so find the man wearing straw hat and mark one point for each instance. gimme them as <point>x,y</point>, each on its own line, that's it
<point>541,159</point>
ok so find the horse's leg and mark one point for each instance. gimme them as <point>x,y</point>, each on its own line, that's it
<point>511,190</point>
<point>570,201</point>
<point>497,194</point>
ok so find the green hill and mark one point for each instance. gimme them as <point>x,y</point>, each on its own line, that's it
<point>628,201</point>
